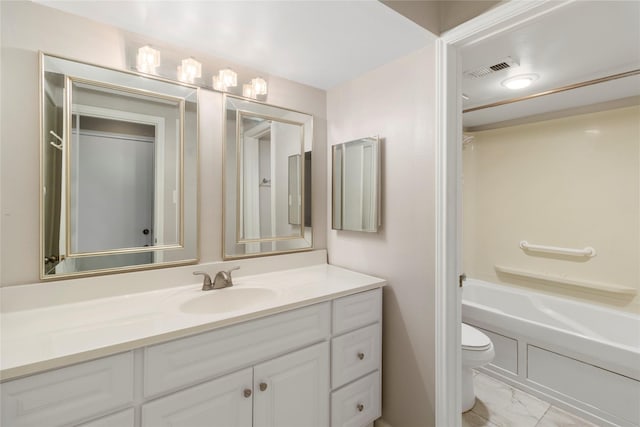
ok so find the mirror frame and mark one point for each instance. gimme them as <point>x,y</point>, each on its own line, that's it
<point>306,128</point>
<point>187,152</point>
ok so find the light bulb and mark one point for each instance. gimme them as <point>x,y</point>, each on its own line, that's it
<point>217,84</point>
<point>247,91</point>
<point>192,68</point>
<point>259,86</point>
<point>228,77</point>
<point>148,59</point>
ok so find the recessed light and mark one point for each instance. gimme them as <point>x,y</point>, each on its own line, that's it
<point>519,82</point>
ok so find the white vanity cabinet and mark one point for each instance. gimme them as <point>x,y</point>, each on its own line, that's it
<point>313,366</point>
<point>68,395</point>
<point>356,353</point>
<point>290,390</point>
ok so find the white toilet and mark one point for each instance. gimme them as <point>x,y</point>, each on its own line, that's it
<point>477,350</point>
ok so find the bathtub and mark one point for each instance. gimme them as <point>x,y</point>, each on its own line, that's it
<point>578,356</point>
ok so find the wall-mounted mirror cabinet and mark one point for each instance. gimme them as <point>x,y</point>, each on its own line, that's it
<point>119,169</point>
<point>356,185</point>
<point>267,173</point>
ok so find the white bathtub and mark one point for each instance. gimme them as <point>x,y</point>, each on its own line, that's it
<point>579,356</point>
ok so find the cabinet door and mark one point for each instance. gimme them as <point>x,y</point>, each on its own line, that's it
<point>293,390</point>
<point>217,403</point>
<point>121,419</point>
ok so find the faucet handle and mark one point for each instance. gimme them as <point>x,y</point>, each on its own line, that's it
<point>206,283</point>
<point>229,273</point>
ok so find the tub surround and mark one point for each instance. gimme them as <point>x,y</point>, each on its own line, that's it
<point>38,337</point>
<point>588,196</point>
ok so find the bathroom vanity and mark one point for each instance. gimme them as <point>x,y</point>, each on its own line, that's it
<point>305,349</point>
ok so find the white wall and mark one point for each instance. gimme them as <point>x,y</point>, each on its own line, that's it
<point>26,28</point>
<point>401,111</point>
<point>570,182</point>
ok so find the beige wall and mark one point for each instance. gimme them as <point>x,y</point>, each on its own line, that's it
<point>28,27</point>
<point>401,112</point>
<point>569,182</point>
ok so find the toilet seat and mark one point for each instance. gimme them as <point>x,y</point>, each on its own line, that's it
<point>473,339</point>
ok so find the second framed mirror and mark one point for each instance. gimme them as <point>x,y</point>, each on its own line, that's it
<point>267,170</point>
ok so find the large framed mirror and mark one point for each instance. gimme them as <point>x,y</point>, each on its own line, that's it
<point>356,185</point>
<point>119,170</point>
<point>267,173</point>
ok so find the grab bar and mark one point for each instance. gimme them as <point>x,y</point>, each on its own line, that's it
<point>553,278</point>
<point>588,251</point>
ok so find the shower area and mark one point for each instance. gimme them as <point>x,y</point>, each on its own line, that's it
<point>551,207</point>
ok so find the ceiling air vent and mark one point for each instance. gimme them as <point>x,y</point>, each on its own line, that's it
<point>503,64</point>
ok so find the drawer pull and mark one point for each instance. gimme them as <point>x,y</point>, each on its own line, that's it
<point>263,386</point>
<point>360,355</point>
<point>360,407</point>
<point>247,392</point>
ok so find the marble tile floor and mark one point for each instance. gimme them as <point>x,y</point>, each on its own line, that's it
<point>500,405</point>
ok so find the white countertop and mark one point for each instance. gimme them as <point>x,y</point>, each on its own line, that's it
<point>34,340</point>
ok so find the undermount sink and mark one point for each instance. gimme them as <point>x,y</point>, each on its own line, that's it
<point>227,299</point>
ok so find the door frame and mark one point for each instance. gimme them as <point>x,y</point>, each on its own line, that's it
<point>448,294</point>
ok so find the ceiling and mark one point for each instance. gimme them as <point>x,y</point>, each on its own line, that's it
<point>318,43</point>
<point>581,41</point>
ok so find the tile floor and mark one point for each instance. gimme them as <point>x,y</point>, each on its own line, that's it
<point>500,405</point>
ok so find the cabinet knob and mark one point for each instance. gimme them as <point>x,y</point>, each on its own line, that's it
<point>247,392</point>
<point>360,355</point>
<point>360,407</point>
<point>263,386</point>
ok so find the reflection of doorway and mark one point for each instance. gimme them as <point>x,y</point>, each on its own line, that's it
<point>114,201</point>
<point>116,182</point>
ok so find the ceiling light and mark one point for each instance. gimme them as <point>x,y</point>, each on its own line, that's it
<point>148,59</point>
<point>228,77</point>
<point>519,82</point>
<point>259,86</point>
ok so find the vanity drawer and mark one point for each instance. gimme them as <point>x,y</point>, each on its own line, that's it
<point>357,404</point>
<point>65,395</point>
<point>189,360</point>
<point>355,354</point>
<point>357,310</point>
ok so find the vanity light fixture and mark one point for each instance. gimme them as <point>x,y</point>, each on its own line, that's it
<point>148,59</point>
<point>228,77</point>
<point>520,81</point>
<point>259,86</point>
<point>217,84</point>
<point>190,70</point>
<point>248,91</point>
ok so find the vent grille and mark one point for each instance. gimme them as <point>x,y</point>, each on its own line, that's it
<point>500,66</point>
<point>503,64</point>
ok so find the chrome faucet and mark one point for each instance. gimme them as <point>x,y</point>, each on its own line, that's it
<point>222,280</point>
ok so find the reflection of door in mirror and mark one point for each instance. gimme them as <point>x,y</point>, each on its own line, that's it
<point>356,185</point>
<point>112,191</point>
<point>359,184</point>
<point>266,146</point>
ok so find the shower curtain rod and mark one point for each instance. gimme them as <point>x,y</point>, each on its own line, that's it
<point>557,90</point>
